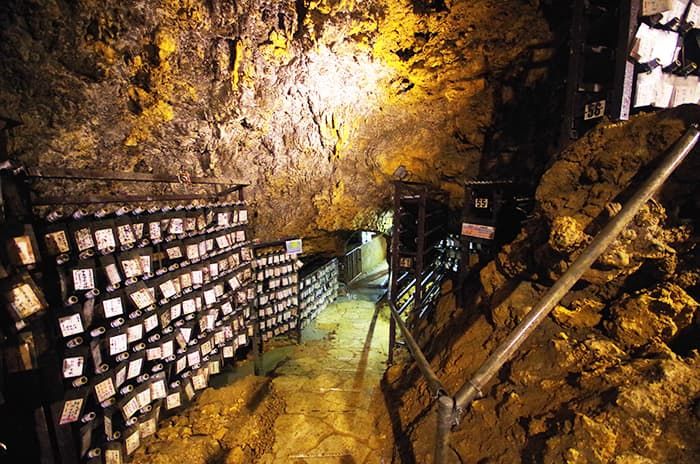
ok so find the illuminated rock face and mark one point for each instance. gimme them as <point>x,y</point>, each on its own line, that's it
<point>316,103</point>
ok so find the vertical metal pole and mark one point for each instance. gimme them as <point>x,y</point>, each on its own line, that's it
<point>420,255</point>
<point>394,268</point>
<point>445,418</point>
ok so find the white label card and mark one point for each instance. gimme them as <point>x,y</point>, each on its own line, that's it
<point>83,238</point>
<point>105,239</point>
<point>134,368</point>
<point>173,401</point>
<point>71,411</point>
<point>105,390</point>
<point>83,279</point>
<point>71,325</point>
<point>130,408</point>
<point>73,367</point>
<point>112,307</point>
<point>117,344</point>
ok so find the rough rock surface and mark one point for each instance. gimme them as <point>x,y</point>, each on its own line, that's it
<point>315,102</point>
<point>612,376</point>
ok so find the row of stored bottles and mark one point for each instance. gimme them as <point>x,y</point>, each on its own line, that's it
<point>125,315</point>
<point>318,287</point>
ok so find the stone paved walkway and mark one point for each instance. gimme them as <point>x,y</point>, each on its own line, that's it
<point>330,384</point>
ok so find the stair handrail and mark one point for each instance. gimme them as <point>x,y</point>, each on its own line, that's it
<point>452,408</point>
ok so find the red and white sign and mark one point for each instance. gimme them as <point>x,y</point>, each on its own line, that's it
<point>478,231</point>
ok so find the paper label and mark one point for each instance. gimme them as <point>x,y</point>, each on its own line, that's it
<point>209,296</point>
<point>105,239</point>
<point>167,349</point>
<point>83,279</point>
<point>173,401</point>
<point>188,307</point>
<point>181,364</point>
<point>70,325</point>
<point>117,344</point>
<point>154,231</point>
<point>652,7</point>
<point>175,311</point>
<point>83,238</point>
<point>214,367</point>
<point>197,277</point>
<point>132,442</point>
<point>193,358</point>
<point>113,456</point>
<point>145,263</point>
<point>142,298</point>
<point>153,353</point>
<point>134,368</point>
<point>112,307</point>
<point>147,428</point>
<point>168,289</point>
<point>134,333</point>
<point>226,308</point>
<point>693,15</point>
<point>130,408</point>
<point>144,397</point>
<point>192,251</point>
<point>647,85</point>
<point>137,228</point>
<point>222,219</point>
<point>151,322</point>
<point>199,381</point>
<point>243,215</point>
<point>57,242</point>
<point>186,280</point>
<point>125,234</point>
<point>158,390</point>
<point>174,252</point>
<point>229,352</point>
<point>105,390</point>
<point>71,411</point>
<point>112,273</point>
<point>24,301</point>
<point>189,391</point>
<point>73,367</point>
<point>120,377</point>
<point>177,226</point>
<point>222,241</point>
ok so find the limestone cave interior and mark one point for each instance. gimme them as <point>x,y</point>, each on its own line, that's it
<point>307,231</point>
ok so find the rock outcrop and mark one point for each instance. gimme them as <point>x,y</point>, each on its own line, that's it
<point>612,375</point>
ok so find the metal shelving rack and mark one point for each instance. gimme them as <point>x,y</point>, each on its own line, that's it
<point>420,225</point>
<point>34,387</point>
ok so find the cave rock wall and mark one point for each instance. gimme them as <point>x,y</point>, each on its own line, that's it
<point>315,102</point>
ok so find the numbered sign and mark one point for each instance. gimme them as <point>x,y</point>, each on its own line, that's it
<point>594,110</point>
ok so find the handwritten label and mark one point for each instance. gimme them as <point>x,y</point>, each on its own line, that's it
<point>73,367</point>
<point>70,325</point>
<point>71,411</point>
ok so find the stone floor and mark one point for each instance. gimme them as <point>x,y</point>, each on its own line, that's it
<point>331,382</point>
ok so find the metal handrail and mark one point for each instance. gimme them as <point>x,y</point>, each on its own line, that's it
<point>436,387</point>
<point>474,387</point>
<point>450,409</point>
